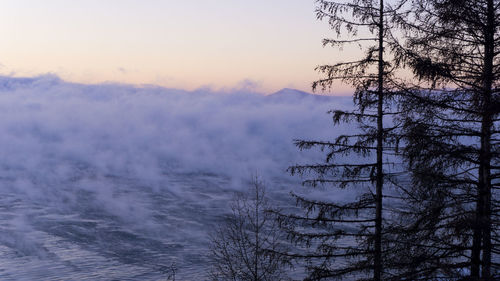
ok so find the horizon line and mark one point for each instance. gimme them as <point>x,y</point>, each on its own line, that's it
<point>209,88</point>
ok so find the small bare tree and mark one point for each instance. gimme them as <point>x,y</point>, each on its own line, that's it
<point>247,245</point>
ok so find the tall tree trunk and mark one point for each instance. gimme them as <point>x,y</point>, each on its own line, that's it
<point>477,233</point>
<point>486,125</point>
<point>380,139</point>
<point>485,194</point>
<point>482,226</point>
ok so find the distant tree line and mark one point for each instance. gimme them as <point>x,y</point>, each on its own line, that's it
<point>424,165</point>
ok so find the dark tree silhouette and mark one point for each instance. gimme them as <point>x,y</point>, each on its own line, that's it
<point>452,132</point>
<point>347,238</point>
<point>246,246</point>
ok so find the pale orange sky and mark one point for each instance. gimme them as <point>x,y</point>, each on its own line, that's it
<point>176,44</point>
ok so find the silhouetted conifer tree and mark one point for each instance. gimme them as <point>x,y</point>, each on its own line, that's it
<point>451,127</point>
<point>345,240</point>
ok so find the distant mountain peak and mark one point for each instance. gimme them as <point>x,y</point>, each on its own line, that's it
<point>292,95</point>
<point>290,92</point>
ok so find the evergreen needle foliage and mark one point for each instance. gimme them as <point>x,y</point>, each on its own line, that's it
<point>347,240</point>
<point>451,127</point>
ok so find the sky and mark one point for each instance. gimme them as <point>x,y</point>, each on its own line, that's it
<point>259,45</point>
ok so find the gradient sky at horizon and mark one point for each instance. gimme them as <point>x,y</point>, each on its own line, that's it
<point>264,45</point>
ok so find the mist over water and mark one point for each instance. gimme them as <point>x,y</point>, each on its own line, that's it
<point>115,182</point>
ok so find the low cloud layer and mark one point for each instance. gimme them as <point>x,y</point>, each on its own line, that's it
<point>47,126</point>
<point>148,157</point>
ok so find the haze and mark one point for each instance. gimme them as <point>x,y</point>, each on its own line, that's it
<point>225,44</point>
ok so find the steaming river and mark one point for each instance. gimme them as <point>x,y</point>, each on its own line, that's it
<point>116,182</point>
<point>76,236</point>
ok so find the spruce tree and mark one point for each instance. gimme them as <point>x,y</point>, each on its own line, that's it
<point>452,132</point>
<point>346,239</point>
